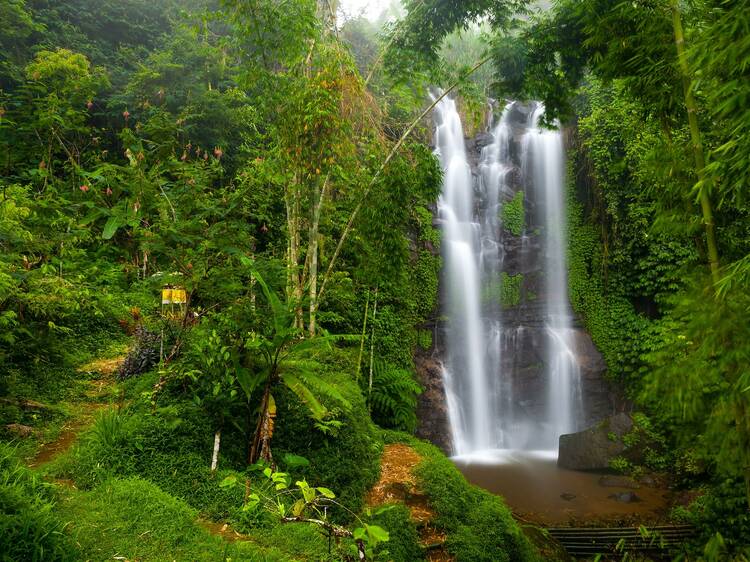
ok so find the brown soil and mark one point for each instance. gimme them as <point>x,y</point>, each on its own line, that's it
<point>397,484</point>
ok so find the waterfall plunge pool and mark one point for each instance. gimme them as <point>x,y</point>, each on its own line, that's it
<point>537,490</point>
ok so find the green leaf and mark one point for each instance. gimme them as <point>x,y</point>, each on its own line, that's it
<point>252,502</point>
<point>110,227</point>
<point>326,492</point>
<point>228,482</point>
<point>376,534</point>
<point>295,461</point>
<point>317,410</point>
<point>298,508</point>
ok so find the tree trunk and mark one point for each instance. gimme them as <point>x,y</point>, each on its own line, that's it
<point>215,456</point>
<point>298,291</point>
<point>695,137</point>
<point>313,253</point>
<point>362,339</point>
<point>261,441</point>
<point>294,288</point>
<point>372,349</point>
<point>383,166</point>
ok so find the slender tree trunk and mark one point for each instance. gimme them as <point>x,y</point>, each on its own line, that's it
<point>313,253</point>
<point>362,339</point>
<point>298,290</point>
<point>260,445</point>
<point>372,349</point>
<point>391,154</point>
<point>252,285</point>
<point>294,288</point>
<point>695,137</point>
<point>215,456</point>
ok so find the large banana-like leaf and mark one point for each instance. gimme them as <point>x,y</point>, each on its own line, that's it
<point>279,311</point>
<point>249,381</point>
<point>320,343</point>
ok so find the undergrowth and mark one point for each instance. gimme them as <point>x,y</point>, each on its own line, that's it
<point>479,526</point>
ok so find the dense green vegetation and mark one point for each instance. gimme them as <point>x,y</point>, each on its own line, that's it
<point>273,165</point>
<point>233,151</point>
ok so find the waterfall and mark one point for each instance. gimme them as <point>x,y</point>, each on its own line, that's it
<point>480,367</point>
<point>465,374</point>
<point>544,161</point>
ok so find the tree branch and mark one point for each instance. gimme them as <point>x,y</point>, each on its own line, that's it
<point>385,163</point>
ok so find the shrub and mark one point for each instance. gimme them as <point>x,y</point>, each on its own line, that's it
<point>29,527</point>
<point>403,544</point>
<point>394,397</point>
<point>347,461</point>
<point>478,524</point>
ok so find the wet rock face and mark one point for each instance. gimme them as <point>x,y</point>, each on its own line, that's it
<point>523,354</point>
<point>432,408</point>
<point>595,447</point>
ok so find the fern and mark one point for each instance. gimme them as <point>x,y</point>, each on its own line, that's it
<point>394,397</point>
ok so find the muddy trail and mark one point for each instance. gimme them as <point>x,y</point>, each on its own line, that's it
<point>95,397</point>
<point>398,484</point>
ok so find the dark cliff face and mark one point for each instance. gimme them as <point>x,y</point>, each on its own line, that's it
<point>524,332</point>
<point>432,407</point>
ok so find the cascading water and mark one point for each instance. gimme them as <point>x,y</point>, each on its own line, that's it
<point>544,161</point>
<point>485,410</point>
<point>465,374</point>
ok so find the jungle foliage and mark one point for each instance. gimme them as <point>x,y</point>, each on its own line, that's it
<point>237,154</point>
<point>652,96</point>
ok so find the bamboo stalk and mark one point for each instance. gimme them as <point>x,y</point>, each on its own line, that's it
<point>695,137</point>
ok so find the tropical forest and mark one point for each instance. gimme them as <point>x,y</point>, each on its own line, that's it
<point>374,280</point>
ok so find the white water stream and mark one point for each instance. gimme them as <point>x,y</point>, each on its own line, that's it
<point>484,411</point>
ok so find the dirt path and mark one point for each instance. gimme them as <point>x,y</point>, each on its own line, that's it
<point>87,409</point>
<point>398,484</point>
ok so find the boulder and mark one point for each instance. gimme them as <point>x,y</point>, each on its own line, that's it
<point>625,497</point>
<point>432,406</point>
<point>595,447</point>
<point>19,430</point>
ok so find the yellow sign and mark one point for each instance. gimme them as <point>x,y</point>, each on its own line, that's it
<point>171,296</point>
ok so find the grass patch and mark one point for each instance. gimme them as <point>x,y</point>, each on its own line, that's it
<point>403,544</point>
<point>478,525</point>
<point>136,519</point>
<point>29,527</point>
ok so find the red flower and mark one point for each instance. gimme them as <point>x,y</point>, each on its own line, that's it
<point>218,152</point>
<point>126,114</point>
<point>108,191</point>
<point>89,104</point>
<point>84,188</point>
